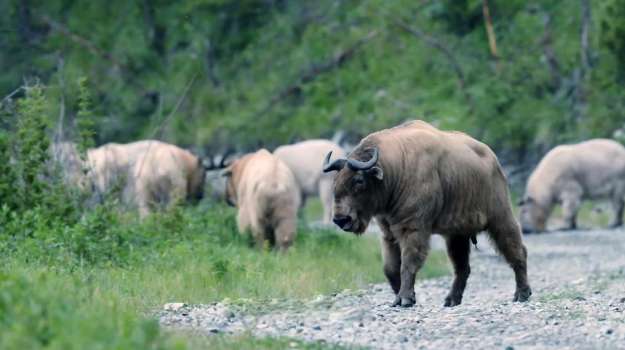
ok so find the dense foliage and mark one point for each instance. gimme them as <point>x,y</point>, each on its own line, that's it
<point>269,71</point>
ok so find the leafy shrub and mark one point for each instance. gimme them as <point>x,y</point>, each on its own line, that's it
<point>36,312</point>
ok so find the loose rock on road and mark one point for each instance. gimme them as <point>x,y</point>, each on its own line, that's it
<point>578,280</point>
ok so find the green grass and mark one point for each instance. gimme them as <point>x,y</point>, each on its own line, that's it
<point>567,294</point>
<point>313,211</point>
<point>96,284</point>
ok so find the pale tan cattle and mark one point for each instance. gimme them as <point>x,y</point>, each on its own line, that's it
<point>569,174</point>
<point>305,159</point>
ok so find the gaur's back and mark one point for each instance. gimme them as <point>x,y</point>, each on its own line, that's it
<point>305,159</point>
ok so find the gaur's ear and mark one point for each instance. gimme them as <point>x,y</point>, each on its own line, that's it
<point>376,172</point>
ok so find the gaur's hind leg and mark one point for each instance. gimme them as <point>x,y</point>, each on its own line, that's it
<point>508,241</point>
<point>414,247</point>
<point>458,249</point>
<point>285,233</point>
<point>617,205</point>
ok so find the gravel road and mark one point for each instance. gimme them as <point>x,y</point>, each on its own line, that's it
<point>578,280</point>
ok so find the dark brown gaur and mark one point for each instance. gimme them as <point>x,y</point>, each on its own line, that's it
<point>415,181</point>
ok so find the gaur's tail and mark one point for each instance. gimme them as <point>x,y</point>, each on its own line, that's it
<point>474,240</point>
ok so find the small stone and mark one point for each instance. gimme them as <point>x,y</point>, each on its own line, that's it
<point>509,347</point>
<point>361,324</point>
<point>609,331</point>
<point>317,327</point>
<point>214,330</point>
<point>173,306</point>
<point>622,300</point>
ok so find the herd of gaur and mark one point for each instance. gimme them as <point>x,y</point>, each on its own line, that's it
<point>414,179</point>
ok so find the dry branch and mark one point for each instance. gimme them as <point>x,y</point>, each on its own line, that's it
<point>431,41</point>
<point>580,76</point>
<point>492,40</point>
<point>552,61</point>
<point>80,40</point>
<point>316,70</point>
<point>92,48</point>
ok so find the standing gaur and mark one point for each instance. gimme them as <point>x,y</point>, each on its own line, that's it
<point>304,159</point>
<point>417,180</point>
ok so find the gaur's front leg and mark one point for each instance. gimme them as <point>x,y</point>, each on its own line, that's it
<point>570,205</point>
<point>458,249</point>
<point>391,257</point>
<point>414,248</point>
<point>391,254</point>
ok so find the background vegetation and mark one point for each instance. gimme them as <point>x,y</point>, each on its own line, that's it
<point>271,71</point>
<point>80,275</point>
<point>214,75</point>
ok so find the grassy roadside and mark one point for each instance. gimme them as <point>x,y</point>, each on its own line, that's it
<point>56,295</point>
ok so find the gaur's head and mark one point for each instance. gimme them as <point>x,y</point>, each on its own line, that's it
<point>533,215</point>
<point>232,174</point>
<point>355,192</point>
<point>196,182</point>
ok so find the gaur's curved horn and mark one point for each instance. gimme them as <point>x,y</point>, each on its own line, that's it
<point>358,165</point>
<point>336,165</point>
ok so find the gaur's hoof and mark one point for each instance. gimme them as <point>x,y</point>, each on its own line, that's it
<point>396,302</point>
<point>407,302</point>
<point>451,301</point>
<point>522,294</point>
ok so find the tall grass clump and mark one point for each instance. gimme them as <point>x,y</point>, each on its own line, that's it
<point>79,276</point>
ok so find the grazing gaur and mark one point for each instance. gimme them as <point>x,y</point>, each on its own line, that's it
<point>265,192</point>
<point>305,159</point>
<point>66,158</point>
<point>569,174</point>
<point>108,168</point>
<point>416,180</point>
<point>148,173</point>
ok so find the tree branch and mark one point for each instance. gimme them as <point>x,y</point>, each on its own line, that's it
<point>581,74</point>
<point>91,47</point>
<point>492,40</point>
<point>316,70</point>
<point>431,41</point>
<point>552,61</point>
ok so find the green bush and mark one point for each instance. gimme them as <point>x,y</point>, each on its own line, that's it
<point>38,313</point>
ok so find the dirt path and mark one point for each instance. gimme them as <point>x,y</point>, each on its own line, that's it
<point>578,279</point>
